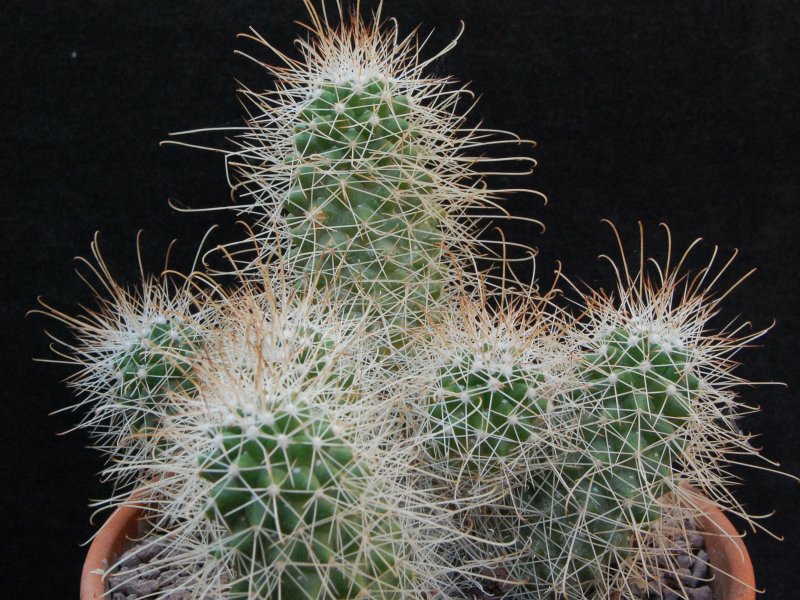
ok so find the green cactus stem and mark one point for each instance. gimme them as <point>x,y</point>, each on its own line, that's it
<point>156,363</point>
<point>638,394</point>
<point>358,210</point>
<point>479,416</point>
<point>291,494</point>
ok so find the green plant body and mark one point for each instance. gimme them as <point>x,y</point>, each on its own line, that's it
<point>158,362</point>
<point>291,494</point>
<point>358,210</point>
<point>638,394</point>
<point>479,417</point>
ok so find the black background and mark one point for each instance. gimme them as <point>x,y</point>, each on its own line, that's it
<point>686,115</point>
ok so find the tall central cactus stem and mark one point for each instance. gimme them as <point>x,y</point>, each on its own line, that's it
<point>359,210</point>
<point>363,175</point>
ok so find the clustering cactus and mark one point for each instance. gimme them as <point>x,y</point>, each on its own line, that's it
<point>365,415</point>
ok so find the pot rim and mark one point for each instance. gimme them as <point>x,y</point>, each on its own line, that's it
<point>728,557</point>
<point>108,544</point>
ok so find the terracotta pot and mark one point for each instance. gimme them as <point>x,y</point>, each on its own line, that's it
<point>730,562</point>
<point>734,578</point>
<point>109,543</point>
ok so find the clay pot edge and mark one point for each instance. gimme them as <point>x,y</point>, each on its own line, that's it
<point>730,561</point>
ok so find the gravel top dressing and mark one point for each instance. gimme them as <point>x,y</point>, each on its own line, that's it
<point>134,581</point>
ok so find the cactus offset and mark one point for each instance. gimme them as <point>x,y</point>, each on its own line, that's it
<point>155,363</point>
<point>484,412</point>
<point>290,493</point>
<point>133,351</point>
<point>652,388</point>
<point>482,415</point>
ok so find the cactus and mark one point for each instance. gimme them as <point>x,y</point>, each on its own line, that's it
<point>154,364</point>
<point>363,413</point>
<point>360,211</point>
<point>483,415</point>
<point>291,495</point>
<point>358,171</point>
<point>287,479</point>
<point>648,414</point>
<point>132,352</point>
